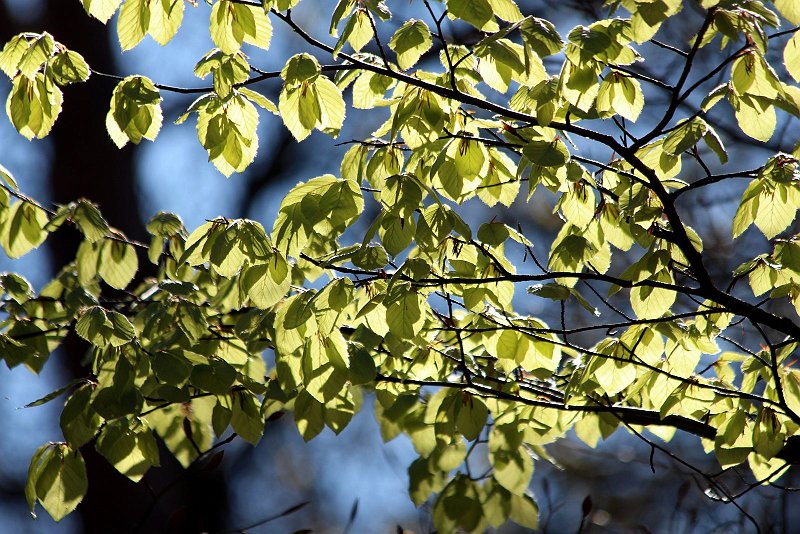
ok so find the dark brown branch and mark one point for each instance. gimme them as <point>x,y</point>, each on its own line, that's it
<point>676,91</point>
<point>627,414</point>
<point>263,75</point>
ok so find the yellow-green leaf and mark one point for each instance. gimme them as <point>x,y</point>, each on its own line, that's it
<point>23,230</point>
<point>410,41</point>
<point>269,282</point>
<point>791,56</point>
<point>165,19</point>
<point>620,95</point>
<point>756,116</point>
<point>135,112</point>
<point>101,9</point>
<point>118,263</point>
<point>131,450</point>
<point>33,105</point>
<point>790,9</point>
<point>479,13</point>
<point>133,23</point>
<point>62,481</point>
<point>233,24</point>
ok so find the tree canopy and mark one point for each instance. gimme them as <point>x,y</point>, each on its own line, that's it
<point>385,280</point>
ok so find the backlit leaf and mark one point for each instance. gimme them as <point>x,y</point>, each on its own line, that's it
<point>101,9</point>
<point>410,41</point>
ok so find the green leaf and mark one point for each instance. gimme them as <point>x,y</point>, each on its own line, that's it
<point>540,36</point>
<point>102,328</point>
<point>233,24</point>
<point>165,19</point>
<point>135,112</point>
<point>768,433</point>
<point>33,105</point>
<point>715,144</point>
<point>362,366</point>
<point>61,482</point>
<point>752,76</point>
<point>79,421</point>
<point>588,44</point>
<point>512,345</point>
<point>165,224</point>
<point>791,56</point>
<point>17,287</point>
<point>503,61</point>
<point>405,316</point>
<point>118,263</point>
<point>493,234</point>
<point>458,505</point>
<point>227,130</point>
<point>578,205</point>
<point>132,450</point>
<point>524,511</point>
<point>299,110</point>
<point>246,418</point>
<point>323,206</point>
<point>300,68</point>
<point>55,394</point>
<point>38,53</point>
<point>512,465</point>
<point>102,10</point>
<point>12,53</point>
<point>90,221</point>
<point>216,376</point>
<point>396,233</point>
<point>185,428</point>
<point>410,42</point>
<point>171,368</point>
<point>358,32</point>
<point>133,23</point>
<point>369,90</point>
<point>259,100</point>
<point>622,95</point>
<point>283,5</point>
<point>309,415</point>
<point>261,35</point>
<point>547,153</point>
<point>323,364</point>
<point>789,10</point>
<point>506,10</point>
<point>748,208</point>
<point>479,13</point>
<point>653,302</point>
<point>343,8</point>
<point>423,482</point>
<point>38,461</point>
<point>500,183</point>
<point>227,255</point>
<point>756,116</point>
<point>69,67</point>
<point>23,230</point>
<point>472,416</point>
<point>331,106</point>
<point>268,283</point>
<point>401,194</point>
<point>613,376</point>
<point>770,204</point>
<point>685,136</point>
<point>458,169</point>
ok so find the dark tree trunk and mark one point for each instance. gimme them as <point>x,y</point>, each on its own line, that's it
<point>86,162</point>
